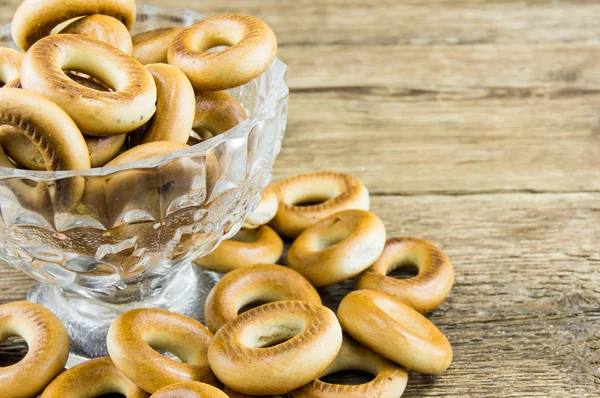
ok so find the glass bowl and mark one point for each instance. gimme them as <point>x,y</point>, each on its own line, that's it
<point>106,240</point>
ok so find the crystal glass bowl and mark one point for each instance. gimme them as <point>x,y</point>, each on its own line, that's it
<point>105,240</point>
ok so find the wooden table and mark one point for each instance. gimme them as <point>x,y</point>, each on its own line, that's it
<point>476,125</point>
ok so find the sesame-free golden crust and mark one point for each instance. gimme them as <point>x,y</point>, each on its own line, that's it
<point>424,292</point>
<point>264,212</point>
<point>48,343</point>
<point>395,331</point>
<point>252,48</point>
<point>217,112</point>
<point>335,191</point>
<point>259,282</point>
<point>146,151</point>
<point>93,378</point>
<point>151,47</point>
<point>189,389</point>
<point>316,338</point>
<point>97,113</point>
<point>134,335</point>
<point>35,19</point>
<point>103,28</point>
<point>10,64</point>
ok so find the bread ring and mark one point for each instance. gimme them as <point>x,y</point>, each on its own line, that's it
<point>216,112</point>
<point>146,151</point>
<point>10,65</point>
<point>35,19</point>
<point>253,47</point>
<point>264,212</point>
<point>103,28</point>
<point>129,106</point>
<point>333,192</point>
<point>260,282</point>
<point>174,108</point>
<point>48,343</point>
<point>234,394</point>
<point>395,331</point>
<point>134,335</point>
<point>424,292</point>
<point>389,382</point>
<point>285,345</point>
<point>93,378</point>
<point>338,247</point>
<point>151,47</point>
<point>189,389</point>
<point>247,247</point>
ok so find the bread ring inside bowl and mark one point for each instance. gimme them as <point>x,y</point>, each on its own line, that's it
<point>189,389</point>
<point>103,28</point>
<point>216,112</point>
<point>10,65</point>
<point>151,47</point>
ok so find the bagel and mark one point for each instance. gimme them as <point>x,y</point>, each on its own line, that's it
<point>389,379</point>
<point>285,345</point>
<point>247,247</point>
<point>256,283</point>
<point>216,112</point>
<point>234,394</point>
<point>189,389</point>
<point>48,343</point>
<point>134,335</point>
<point>325,192</point>
<point>93,378</point>
<point>103,28</point>
<point>35,19</point>
<point>146,151</point>
<point>10,65</point>
<point>97,113</point>
<point>252,49</point>
<point>265,210</point>
<point>338,247</point>
<point>424,292</point>
<point>151,47</point>
<point>395,331</point>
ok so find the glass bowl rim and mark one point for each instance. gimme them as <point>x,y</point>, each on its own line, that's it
<point>277,69</point>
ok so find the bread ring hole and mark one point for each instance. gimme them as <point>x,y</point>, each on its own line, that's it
<point>348,377</point>
<point>404,270</point>
<point>88,81</point>
<point>15,348</point>
<point>112,395</point>
<point>167,354</point>
<point>334,234</point>
<point>245,236</point>
<point>272,332</point>
<point>320,192</point>
<point>251,305</point>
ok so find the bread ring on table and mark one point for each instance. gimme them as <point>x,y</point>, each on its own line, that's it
<point>103,28</point>
<point>97,113</point>
<point>249,246</point>
<point>134,336</point>
<point>216,112</point>
<point>424,292</point>
<point>331,191</point>
<point>255,283</point>
<point>389,379</point>
<point>395,331</point>
<point>252,49</point>
<point>234,394</point>
<point>285,345</point>
<point>189,389</point>
<point>10,65</point>
<point>48,343</point>
<point>93,378</point>
<point>264,212</point>
<point>151,47</point>
<point>338,247</point>
<point>35,19</point>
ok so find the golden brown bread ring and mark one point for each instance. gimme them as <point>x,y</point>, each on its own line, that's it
<point>146,151</point>
<point>264,212</point>
<point>93,378</point>
<point>247,247</point>
<point>270,342</point>
<point>234,394</point>
<point>389,379</point>
<point>395,331</point>
<point>10,65</point>
<point>253,47</point>
<point>48,343</point>
<point>175,107</point>
<point>35,19</point>
<point>424,292</point>
<point>189,389</point>
<point>97,113</point>
<point>256,283</point>
<point>151,47</point>
<point>338,247</point>
<point>216,112</point>
<point>103,28</point>
<point>134,336</point>
<point>333,192</point>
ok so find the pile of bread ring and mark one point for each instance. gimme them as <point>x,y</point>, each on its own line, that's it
<point>87,94</point>
<point>286,345</point>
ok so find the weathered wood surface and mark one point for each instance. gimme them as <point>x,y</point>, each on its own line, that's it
<point>475,124</point>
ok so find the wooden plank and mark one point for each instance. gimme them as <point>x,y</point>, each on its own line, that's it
<point>524,316</point>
